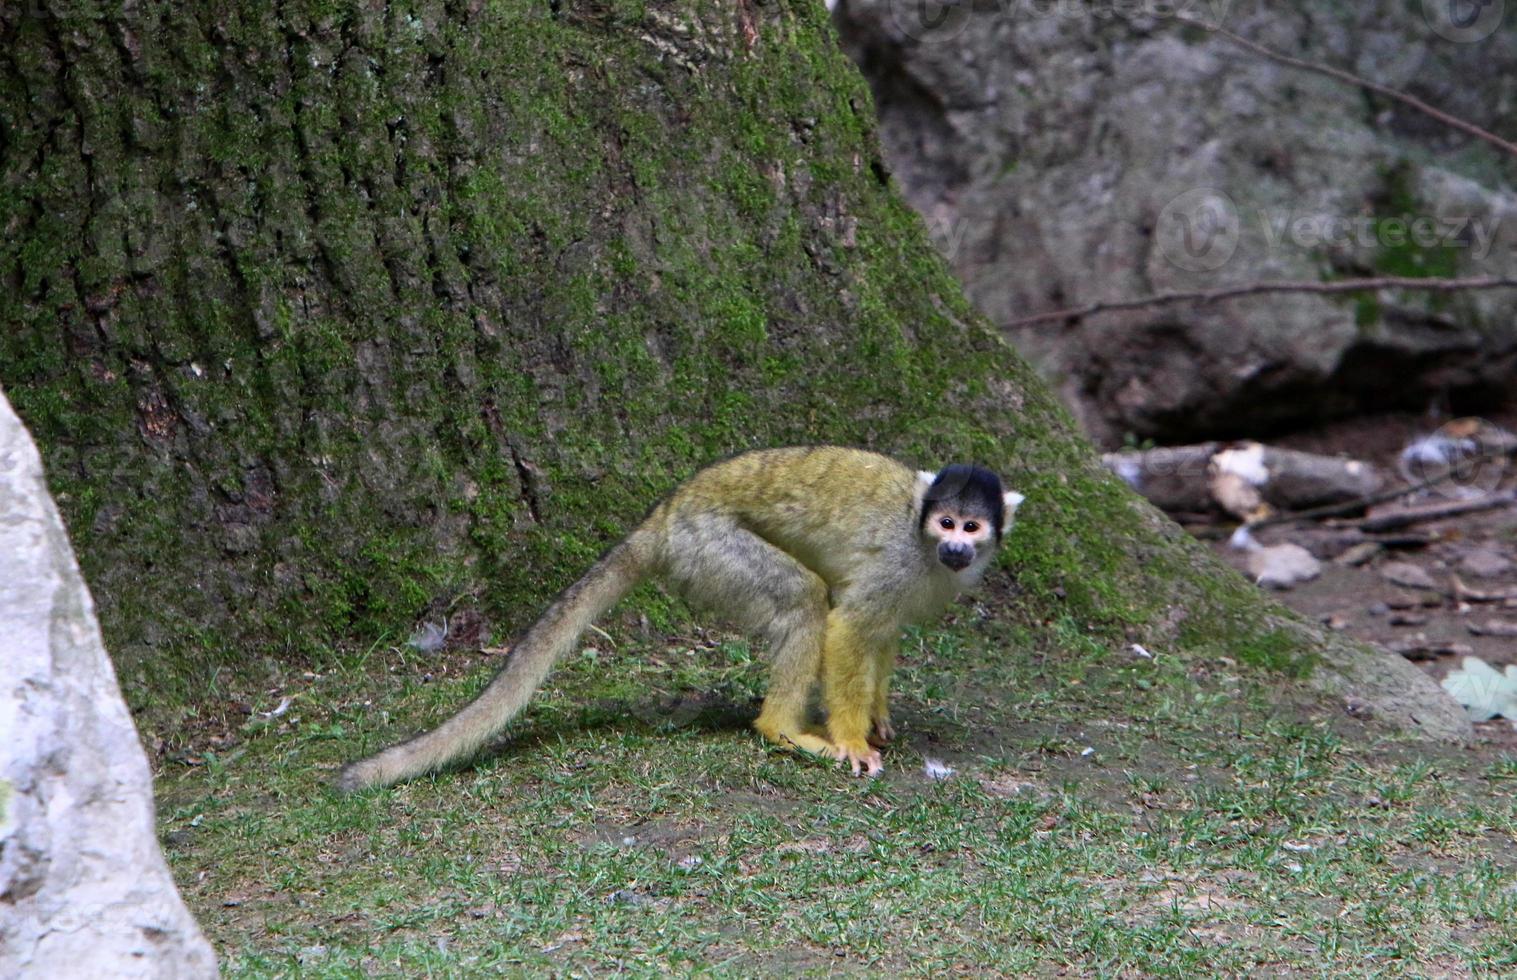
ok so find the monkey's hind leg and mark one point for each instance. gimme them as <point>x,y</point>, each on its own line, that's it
<point>717,563</point>
<point>850,689</point>
<point>882,732</point>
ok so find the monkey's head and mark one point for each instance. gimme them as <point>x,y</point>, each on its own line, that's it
<point>964,514</point>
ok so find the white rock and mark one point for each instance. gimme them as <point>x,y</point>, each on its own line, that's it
<point>1280,566</point>
<point>87,892</point>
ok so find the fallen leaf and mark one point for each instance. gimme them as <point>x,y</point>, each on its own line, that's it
<point>1484,691</point>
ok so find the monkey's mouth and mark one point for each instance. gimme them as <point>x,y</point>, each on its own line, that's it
<point>957,559</point>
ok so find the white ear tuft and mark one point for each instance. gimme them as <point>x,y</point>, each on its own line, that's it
<point>925,478</point>
<point>1012,500</point>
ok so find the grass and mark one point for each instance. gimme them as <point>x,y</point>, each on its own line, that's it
<point>1107,815</point>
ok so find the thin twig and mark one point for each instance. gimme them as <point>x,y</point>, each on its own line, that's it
<point>1339,286</point>
<point>1506,146</point>
<point>1432,512</point>
<point>1430,284</point>
<point>1371,499</point>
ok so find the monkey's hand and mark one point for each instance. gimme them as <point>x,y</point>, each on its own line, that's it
<point>861,758</point>
<point>882,733</point>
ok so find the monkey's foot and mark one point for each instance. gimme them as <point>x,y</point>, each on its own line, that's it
<point>882,733</point>
<point>810,744</point>
<point>788,738</point>
<point>861,758</point>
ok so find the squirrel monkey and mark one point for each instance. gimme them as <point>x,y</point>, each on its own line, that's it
<point>825,552</point>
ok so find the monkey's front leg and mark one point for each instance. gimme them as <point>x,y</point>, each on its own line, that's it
<point>850,691</point>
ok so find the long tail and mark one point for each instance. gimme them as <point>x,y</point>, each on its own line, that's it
<point>531,659</point>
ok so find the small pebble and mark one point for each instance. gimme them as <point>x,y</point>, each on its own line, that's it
<point>1485,563</point>
<point>1407,574</point>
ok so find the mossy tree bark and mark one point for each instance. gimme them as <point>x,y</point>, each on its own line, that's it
<point>326,316</point>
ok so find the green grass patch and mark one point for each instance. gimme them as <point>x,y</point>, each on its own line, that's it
<point>1107,814</point>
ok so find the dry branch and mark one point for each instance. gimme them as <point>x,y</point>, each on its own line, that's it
<point>1430,284</point>
<point>1411,101</point>
<point>1463,593</point>
<point>1339,286</point>
<point>1405,516</point>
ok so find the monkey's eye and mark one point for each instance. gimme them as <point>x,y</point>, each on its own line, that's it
<point>971,526</point>
<point>946,523</point>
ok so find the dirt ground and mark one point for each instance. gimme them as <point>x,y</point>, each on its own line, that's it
<point>1433,622</point>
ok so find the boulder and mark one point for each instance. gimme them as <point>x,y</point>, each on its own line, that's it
<point>1064,154</point>
<point>84,890</point>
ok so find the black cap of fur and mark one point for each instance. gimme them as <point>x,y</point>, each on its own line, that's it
<point>972,488</point>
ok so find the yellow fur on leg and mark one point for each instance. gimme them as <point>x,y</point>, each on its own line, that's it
<point>782,725</point>
<point>881,731</point>
<point>848,688</point>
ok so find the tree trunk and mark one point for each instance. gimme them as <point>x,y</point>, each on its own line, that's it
<point>327,321</point>
<point>84,890</point>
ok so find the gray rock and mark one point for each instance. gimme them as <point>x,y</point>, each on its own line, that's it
<point>1064,154</point>
<point>1485,563</point>
<point>86,892</point>
<point>1406,574</point>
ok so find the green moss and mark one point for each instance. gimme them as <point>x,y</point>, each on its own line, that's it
<point>1231,623</point>
<point>434,308</point>
<point>1399,252</point>
<point>1285,650</point>
<point>1407,244</point>
<point>1367,312</point>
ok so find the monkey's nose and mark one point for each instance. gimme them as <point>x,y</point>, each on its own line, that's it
<point>955,556</point>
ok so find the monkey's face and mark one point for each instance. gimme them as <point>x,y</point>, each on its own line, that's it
<point>960,535</point>
<point>965,512</point>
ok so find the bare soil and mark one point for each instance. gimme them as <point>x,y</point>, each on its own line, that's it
<point>1360,599</point>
